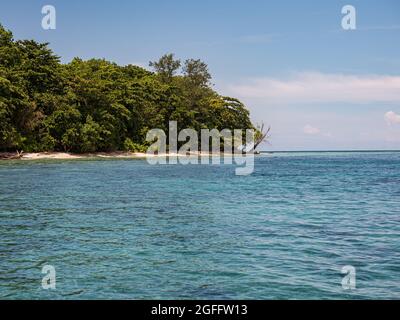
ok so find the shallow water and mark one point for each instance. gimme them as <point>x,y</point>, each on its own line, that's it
<point>126,229</point>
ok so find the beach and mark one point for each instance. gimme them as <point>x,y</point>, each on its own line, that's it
<point>107,155</point>
<point>72,156</point>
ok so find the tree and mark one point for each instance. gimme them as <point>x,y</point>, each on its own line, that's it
<point>90,133</point>
<point>261,135</point>
<point>166,66</point>
<point>63,125</point>
<point>197,72</point>
<point>39,66</point>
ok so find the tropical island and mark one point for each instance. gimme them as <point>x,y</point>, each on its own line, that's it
<point>98,106</point>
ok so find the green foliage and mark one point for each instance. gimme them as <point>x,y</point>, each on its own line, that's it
<point>129,145</point>
<point>96,105</point>
<point>197,72</point>
<point>91,135</point>
<point>166,66</point>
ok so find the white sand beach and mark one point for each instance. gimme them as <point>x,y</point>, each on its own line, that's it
<point>116,154</point>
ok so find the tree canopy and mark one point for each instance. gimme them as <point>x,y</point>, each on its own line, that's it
<point>97,105</point>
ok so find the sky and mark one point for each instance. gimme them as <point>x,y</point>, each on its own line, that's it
<point>318,86</point>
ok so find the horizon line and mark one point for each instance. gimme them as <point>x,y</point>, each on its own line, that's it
<point>339,150</point>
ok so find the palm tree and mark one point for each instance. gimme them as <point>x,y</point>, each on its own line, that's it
<point>261,135</point>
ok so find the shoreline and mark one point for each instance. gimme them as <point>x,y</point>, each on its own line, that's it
<point>105,155</point>
<point>74,156</point>
<point>53,155</point>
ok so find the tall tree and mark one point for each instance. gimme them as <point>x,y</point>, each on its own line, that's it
<point>197,72</point>
<point>166,66</point>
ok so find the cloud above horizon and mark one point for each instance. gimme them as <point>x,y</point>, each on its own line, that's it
<point>308,129</point>
<point>392,117</point>
<point>317,87</point>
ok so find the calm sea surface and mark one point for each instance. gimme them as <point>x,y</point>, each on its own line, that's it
<point>126,229</point>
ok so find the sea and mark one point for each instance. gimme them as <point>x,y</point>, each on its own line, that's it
<point>303,225</point>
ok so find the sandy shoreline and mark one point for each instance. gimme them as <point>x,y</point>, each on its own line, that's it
<point>111,155</point>
<point>67,155</point>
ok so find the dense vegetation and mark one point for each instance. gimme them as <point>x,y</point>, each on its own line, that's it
<point>96,105</point>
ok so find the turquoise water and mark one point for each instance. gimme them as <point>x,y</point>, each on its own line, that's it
<point>126,229</point>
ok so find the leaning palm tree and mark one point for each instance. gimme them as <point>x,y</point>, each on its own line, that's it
<point>261,135</point>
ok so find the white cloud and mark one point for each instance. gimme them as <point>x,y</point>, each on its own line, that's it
<point>308,129</point>
<point>316,87</point>
<point>392,117</point>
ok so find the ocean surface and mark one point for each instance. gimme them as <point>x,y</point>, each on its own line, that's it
<point>124,229</point>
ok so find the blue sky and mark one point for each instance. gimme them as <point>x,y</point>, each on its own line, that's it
<point>319,87</point>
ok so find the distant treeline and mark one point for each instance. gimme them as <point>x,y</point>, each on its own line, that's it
<point>96,105</point>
